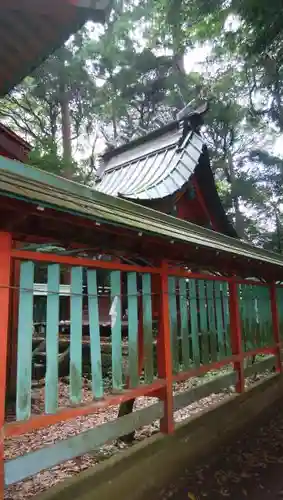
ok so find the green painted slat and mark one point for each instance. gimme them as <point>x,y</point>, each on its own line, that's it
<point>270,332</point>
<point>76,335</point>
<point>52,327</point>
<point>252,315</point>
<point>279,296</point>
<point>265,323</point>
<point>203,314</point>
<point>269,323</point>
<point>194,322</point>
<point>173,323</point>
<point>116,330</point>
<point>211,320</point>
<point>280,309</point>
<point>261,314</point>
<point>226,317</point>
<point>94,332</point>
<point>133,329</point>
<point>186,355</point>
<point>219,320</point>
<point>202,305</point>
<point>266,319</point>
<point>147,328</point>
<point>31,463</point>
<point>25,328</point>
<point>243,296</point>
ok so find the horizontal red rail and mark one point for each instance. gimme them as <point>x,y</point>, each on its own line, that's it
<point>80,261</point>
<point>39,421</point>
<point>179,377</point>
<point>117,266</point>
<point>174,271</point>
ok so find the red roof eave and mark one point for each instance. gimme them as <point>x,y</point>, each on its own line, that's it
<point>12,145</point>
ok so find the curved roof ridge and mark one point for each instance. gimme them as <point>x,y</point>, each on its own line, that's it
<point>174,175</point>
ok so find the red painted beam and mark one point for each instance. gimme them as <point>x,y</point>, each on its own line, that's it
<point>164,354</point>
<point>39,421</point>
<point>79,261</point>
<point>5,270</point>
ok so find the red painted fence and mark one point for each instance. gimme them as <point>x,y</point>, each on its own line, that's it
<point>203,323</point>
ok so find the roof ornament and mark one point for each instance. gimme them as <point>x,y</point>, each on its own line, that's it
<point>190,119</point>
<point>189,110</point>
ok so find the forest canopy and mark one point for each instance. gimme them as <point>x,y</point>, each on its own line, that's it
<point>112,83</point>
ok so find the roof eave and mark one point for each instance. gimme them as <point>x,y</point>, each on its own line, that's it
<point>169,127</point>
<point>41,187</point>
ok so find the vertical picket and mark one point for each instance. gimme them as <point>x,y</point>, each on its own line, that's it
<point>269,319</point>
<point>279,302</point>
<point>25,329</point>
<point>235,329</point>
<point>94,332</point>
<point>275,325</point>
<point>133,329</point>
<point>147,328</point>
<point>251,313</point>
<point>194,322</point>
<point>242,290</point>
<point>211,320</point>
<point>248,300</point>
<point>116,330</point>
<point>173,323</point>
<point>226,318</point>
<point>219,319</point>
<point>76,335</point>
<point>52,320</point>
<point>203,322</point>
<point>184,323</point>
<point>256,315</point>
<point>263,314</point>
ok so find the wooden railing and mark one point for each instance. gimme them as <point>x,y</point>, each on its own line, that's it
<point>179,325</point>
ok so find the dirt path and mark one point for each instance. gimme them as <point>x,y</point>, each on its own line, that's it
<point>249,468</point>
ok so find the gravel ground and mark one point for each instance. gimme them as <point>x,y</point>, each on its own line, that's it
<point>37,439</point>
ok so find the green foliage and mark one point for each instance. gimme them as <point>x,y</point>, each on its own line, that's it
<point>130,79</point>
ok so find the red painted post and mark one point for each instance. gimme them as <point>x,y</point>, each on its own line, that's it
<point>275,324</point>
<point>164,354</point>
<point>236,335</point>
<point>13,329</point>
<point>5,273</point>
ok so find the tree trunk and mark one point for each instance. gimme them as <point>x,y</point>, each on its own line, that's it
<point>278,230</point>
<point>239,222</point>
<point>66,130</point>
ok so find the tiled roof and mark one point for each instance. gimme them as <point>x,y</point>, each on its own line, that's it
<point>155,166</point>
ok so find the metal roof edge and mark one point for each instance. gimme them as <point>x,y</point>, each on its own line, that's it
<point>173,125</point>
<point>71,196</point>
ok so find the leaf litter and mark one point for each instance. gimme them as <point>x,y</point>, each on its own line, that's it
<point>40,438</point>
